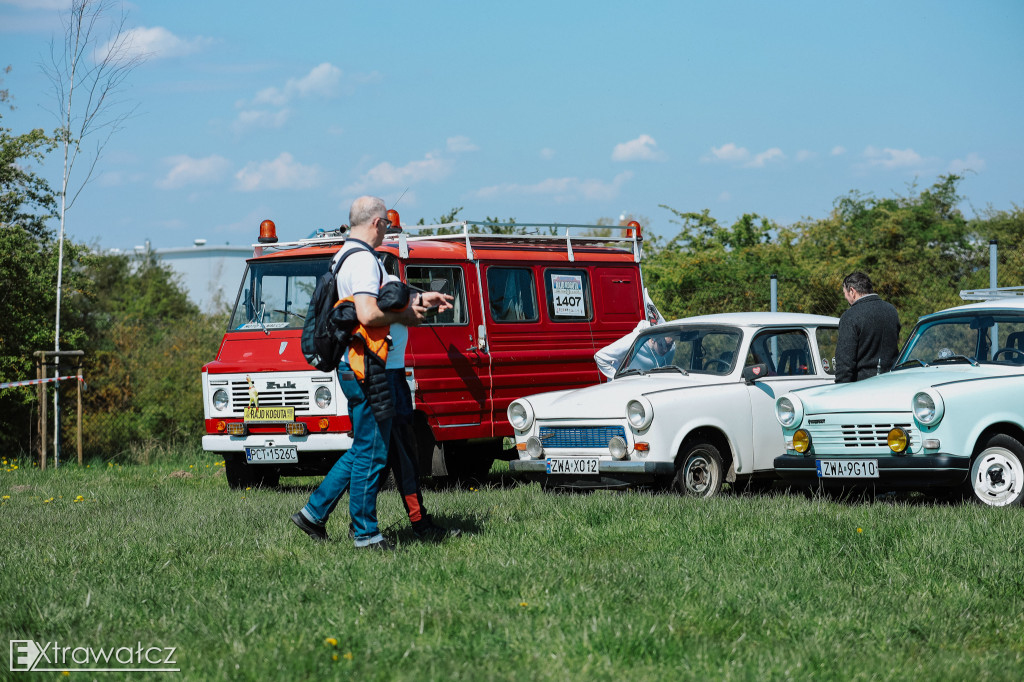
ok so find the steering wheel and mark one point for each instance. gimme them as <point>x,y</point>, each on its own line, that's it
<point>1008,349</point>
<point>717,361</point>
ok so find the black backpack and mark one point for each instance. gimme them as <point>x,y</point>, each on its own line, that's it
<point>324,336</point>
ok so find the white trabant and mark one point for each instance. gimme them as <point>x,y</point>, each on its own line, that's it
<point>948,417</point>
<point>691,405</point>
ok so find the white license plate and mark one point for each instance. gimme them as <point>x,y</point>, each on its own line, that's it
<point>573,465</point>
<point>847,468</point>
<point>280,455</point>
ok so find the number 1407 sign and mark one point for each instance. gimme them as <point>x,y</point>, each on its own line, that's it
<point>567,291</point>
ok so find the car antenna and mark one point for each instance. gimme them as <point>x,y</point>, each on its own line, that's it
<point>399,198</point>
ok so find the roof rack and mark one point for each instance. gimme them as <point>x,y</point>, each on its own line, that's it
<point>992,294</point>
<point>634,240</point>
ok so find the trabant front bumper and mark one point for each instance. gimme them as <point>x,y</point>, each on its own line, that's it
<point>894,471</point>
<point>613,473</point>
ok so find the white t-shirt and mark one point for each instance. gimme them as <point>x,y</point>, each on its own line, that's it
<point>361,273</point>
<point>399,339</point>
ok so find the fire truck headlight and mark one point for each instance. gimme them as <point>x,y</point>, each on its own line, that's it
<point>323,397</point>
<point>220,399</point>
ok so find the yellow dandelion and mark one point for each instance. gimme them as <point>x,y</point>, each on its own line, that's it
<point>330,641</point>
<point>860,530</point>
<point>348,656</point>
<point>523,604</point>
<point>6,497</point>
<point>334,657</point>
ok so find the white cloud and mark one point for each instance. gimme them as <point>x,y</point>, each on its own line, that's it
<point>805,155</point>
<point>255,118</point>
<point>892,158</point>
<point>643,148</point>
<point>838,150</point>
<point>730,153</point>
<point>461,143</point>
<point>156,43</point>
<point>323,80</point>
<point>563,189</point>
<point>547,153</point>
<point>973,162</point>
<point>764,157</point>
<point>186,170</point>
<point>281,173</point>
<point>430,169</point>
<point>727,152</point>
<point>724,196</point>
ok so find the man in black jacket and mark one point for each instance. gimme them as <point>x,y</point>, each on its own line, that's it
<point>868,332</point>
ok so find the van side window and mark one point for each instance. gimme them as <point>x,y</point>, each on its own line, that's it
<point>568,294</point>
<point>787,353</point>
<point>448,280</point>
<point>512,294</point>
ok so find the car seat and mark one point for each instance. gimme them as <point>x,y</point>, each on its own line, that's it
<point>793,362</point>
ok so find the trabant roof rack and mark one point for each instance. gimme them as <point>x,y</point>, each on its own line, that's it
<point>490,231</point>
<point>992,294</point>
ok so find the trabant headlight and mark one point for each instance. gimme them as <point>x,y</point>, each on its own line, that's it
<point>898,440</point>
<point>789,410</point>
<point>323,397</point>
<point>520,415</point>
<point>220,399</point>
<point>640,413</point>
<point>617,447</point>
<point>534,448</point>
<point>928,407</point>
<point>801,441</point>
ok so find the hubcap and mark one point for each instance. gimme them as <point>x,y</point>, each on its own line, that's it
<point>698,475</point>
<point>997,477</point>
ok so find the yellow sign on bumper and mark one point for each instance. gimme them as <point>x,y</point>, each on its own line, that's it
<point>268,415</point>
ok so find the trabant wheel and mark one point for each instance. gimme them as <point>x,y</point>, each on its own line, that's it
<point>700,472</point>
<point>997,474</point>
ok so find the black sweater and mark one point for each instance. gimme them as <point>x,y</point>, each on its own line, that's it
<point>868,337</point>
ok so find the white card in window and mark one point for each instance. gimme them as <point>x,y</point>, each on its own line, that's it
<point>567,291</point>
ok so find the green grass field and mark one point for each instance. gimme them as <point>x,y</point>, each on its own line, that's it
<point>543,586</point>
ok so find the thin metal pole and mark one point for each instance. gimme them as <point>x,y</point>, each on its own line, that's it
<point>775,293</point>
<point>993,282</point>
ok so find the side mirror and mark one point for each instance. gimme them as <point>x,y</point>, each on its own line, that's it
<point>752,373</point>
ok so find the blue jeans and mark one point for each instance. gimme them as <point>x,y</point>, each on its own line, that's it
<point>358,470</point>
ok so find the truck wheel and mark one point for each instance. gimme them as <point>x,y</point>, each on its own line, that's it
<point>242,475</point>
<point>700,471</point>
<point>467,461</point>
<point>997,474</point>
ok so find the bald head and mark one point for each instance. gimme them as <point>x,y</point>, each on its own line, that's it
<point>364,209</point>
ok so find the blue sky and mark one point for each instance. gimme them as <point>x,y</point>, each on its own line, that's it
<point>541,111</point>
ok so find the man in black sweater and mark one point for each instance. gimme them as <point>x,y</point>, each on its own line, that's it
<point>868,332</point>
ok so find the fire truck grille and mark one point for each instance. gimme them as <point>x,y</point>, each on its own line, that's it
<point>297,398</point>
<point>579,436</point>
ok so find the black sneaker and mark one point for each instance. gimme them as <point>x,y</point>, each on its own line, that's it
<point>381,545</point>
<point>313,530</point>
<point>432,532</point>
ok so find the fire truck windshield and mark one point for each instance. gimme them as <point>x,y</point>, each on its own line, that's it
<point>275,294</point>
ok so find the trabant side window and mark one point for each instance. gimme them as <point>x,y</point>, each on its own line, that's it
<point>786,352</point>
<point>275,295</point>
<point>568,294</point>
<point>827,337</point>
<point>448,280</point>
<point>705,350</point>
<point>512,294</point>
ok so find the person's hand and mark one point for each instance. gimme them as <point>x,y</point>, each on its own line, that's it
<point>422,303</point>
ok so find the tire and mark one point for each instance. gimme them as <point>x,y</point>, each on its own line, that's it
<point>997,473</point>
<point>700,472</point>
<point>242,475</point>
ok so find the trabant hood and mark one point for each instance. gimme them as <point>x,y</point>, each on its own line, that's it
<point>608,400</point>
<point>890,392</point>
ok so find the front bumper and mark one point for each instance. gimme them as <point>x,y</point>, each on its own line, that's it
<point>902,471</point>
<point>613,473</point>
<point>319,443</point>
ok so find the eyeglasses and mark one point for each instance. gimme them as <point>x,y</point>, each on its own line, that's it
<point>387,223</point>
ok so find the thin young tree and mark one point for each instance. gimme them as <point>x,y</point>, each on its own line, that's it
<point>87,72</point>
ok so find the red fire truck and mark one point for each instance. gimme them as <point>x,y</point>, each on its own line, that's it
<point>530,310</point>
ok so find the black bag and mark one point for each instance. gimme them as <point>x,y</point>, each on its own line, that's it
<point>324,336</point>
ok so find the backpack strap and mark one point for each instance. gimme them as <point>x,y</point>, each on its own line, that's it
<point>380,266</point>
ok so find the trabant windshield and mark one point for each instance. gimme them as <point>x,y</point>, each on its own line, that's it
<point>990,336</point>
<point>703,350</point>
<point>275,294</point>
